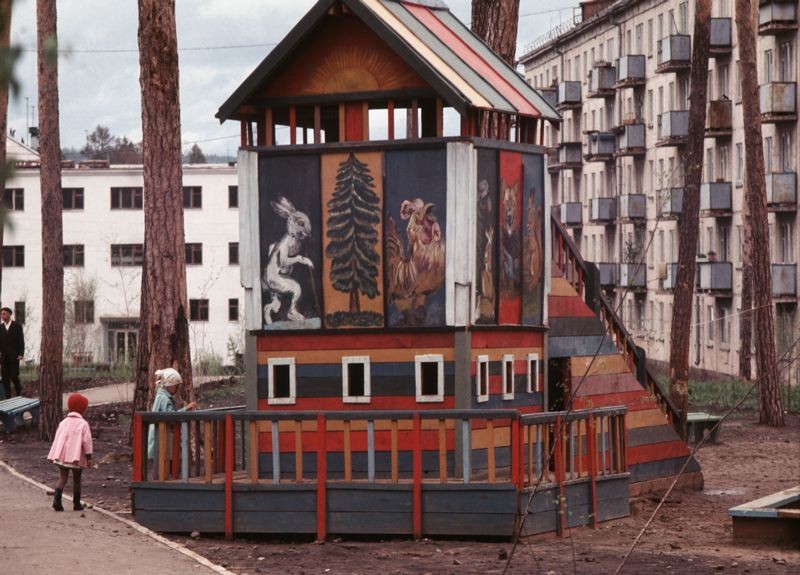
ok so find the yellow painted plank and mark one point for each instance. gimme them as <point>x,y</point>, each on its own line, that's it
<point>561,287</point>
<point>602,365</point>
<point>645,418</point>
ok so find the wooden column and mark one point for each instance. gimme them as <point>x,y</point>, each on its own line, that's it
<point>322,478</point>
<point>269,128</point>
<point>229,449</point>
<point>292,125</point>
<point>138,447</point>
<point>417,480</point>
<point>390,112</point>
<point>317,124</point>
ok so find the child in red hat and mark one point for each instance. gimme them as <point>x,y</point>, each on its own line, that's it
<point>72,449</point>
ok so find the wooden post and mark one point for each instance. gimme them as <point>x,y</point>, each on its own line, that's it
<point>348,452</point>
<point>393,456</point>
<point>243,133</point>
<point>592,461</point>
<point>414,119</point>
<point>516,454</point>
<point>317,124</point>
<point>269,128</point>
<point>439,118</point>
<point>342,123</point>
<point>298,451</point>
<point>561,523</point>
<point>390,113</point>
<point>417,480</point>
<point>229,449</point>
<point>253,427</point>
<point>163,454</point>
<point>138,447</point>
<point>292,125</point>
<point>208,439</point>
<point>322,478</point>
<point>442,451</point>
<point>490,449</point>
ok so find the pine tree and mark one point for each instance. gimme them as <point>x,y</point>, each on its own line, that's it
<point>354,214</point>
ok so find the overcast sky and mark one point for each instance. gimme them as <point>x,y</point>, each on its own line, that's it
<point>99,77</point>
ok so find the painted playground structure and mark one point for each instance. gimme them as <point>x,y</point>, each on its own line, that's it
<point>428,353</point>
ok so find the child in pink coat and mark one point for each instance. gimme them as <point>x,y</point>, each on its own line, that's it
<point>72,449</point>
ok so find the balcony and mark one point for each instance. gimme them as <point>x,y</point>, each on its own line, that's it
<point>603,210</point>
<point>601,81</point>
<point>673,129</point>
<point>633,276</point>
<point>776,17</point>
<point>784,281</point>
<point>719,119</point>
<point>670,203</point>
<point>608,274</point>
<point>569,156</point>
<point>571,214</point>
<point>631,71</point>
<point>715,277</point>
<point>552,160</point>
<point>716,199</point>
<point>631,139</point>
<point>782,192</point>
<point>600,147</point>
<point>550,95</point>
<point>778,102</point>
<point>670,276</point>
<point>569,96</point>
<point>721,36</point>
<point>674,53</point>
<point>632,207</point>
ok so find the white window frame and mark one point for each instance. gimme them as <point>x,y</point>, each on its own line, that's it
<point>480,361</point>
<point>271,399</point>
<point>346,397</point>
<point>418,361</point>
<point>533,376</point>
<point>508,358</point>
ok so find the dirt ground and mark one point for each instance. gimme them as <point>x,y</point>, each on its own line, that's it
<point>691,534</point>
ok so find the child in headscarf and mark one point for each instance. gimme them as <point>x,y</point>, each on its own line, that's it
<point>168,380</point>
<point>72,449</point>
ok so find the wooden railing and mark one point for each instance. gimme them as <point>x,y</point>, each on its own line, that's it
<point>568,259</point>
<point>453,447</point>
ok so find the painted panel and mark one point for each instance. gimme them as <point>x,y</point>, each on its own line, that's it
<point>289,220</point>
<point>415,198</point>
<point>510,225</point>
<point>486,239</point>
<point>352,270</point>
<point>533,240</point>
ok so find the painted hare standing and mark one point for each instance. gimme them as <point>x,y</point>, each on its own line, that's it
<point>283,254</point>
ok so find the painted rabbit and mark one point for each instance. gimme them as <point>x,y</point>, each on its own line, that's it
<point>283,254</point>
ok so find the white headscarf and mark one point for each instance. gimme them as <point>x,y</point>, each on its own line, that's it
<point>168,377</point>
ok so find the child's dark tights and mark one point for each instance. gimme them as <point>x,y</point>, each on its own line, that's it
<point>64,478</point>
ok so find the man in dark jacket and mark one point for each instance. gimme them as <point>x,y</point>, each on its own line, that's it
<point>12,348</point>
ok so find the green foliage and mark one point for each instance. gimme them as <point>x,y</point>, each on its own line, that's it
<point>352,228</point>
<point>208,363</point>
<point>195,156</point>
<point>101,144</point>
<point>723,394</point>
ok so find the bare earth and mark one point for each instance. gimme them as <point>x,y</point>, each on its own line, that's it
<point>692,533</point>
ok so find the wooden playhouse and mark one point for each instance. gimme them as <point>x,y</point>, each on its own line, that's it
<point>428,354</point>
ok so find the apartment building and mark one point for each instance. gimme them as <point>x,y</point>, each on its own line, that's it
<point>619,74</point>
<point>103,224</point>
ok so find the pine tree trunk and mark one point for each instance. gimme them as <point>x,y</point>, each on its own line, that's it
<point>688,223</point>
<point>746,317</point>
<point>164,328</point>
<point>51,357</point>
<point>495,21</point>
<point>770,408</point>
<point>5,43</point>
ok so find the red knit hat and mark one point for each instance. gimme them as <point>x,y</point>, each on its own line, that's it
<point>77,402</point>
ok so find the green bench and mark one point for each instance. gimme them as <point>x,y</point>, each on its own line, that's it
<point>13,410</point>
<point>699,422</point>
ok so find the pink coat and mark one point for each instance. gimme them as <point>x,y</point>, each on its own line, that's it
<point>73,441</point>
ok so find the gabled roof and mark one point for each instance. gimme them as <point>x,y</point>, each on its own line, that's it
<point>438,46</point>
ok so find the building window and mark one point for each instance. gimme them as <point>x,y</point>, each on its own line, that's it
<point>233,309</point>
<point>233,253</point>
<point>198,310</point>
<point>785,255</point>
<point>192,197</point>
<point>661,320</point>
<point>724,324</point>
<point>533,373</point>
<point>14,199</point>
<point>73,198</point>
<point>429,372</point>
<point>281,381</point>
<point>710,324</point>
<point>233,196</point>
<point>355,379</point>
<point>19,312</point>
<point>739,164</point>
<point>127,255</point>
<point>194,254</point>
<point>126,198</point>
<point>508,376</point>
<point>13,256</point>
<point>482,378</point>
<point>73,256</point>
<point>83,311</point>
<point>737,83</point>
<point>650,37</point>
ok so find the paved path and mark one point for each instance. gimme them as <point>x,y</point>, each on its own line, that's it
<point>122,392</point>
<point>36,540</point>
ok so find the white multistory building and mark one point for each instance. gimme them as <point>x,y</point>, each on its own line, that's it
<point>103,224</point>
<point>619,74</point>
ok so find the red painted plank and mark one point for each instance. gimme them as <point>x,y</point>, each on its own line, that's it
<point>229,476</point>
<point>472,59</point>
<point>504,339</point>
<point>322,479</point>
<point>417,519</point>
<point>568,307</point>
<point>561,524</point>
<point>655,452</point>
<point>138,452</point>
<point>285,342</point>
<point>592,455</point>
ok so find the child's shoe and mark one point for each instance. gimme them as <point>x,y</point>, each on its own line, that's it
<point>57,500</point>
<point>76,502</point>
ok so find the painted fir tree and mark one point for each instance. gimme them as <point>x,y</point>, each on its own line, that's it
<point>354,215</point>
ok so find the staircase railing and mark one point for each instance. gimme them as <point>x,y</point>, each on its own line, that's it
<point>583,277</point>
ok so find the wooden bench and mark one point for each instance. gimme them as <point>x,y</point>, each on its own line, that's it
<point>699,422</point>
<point>13,410</point>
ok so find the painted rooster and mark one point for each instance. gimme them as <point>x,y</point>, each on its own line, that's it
<point>418,271</point>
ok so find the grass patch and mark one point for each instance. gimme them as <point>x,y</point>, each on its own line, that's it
<point>723,394</point>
